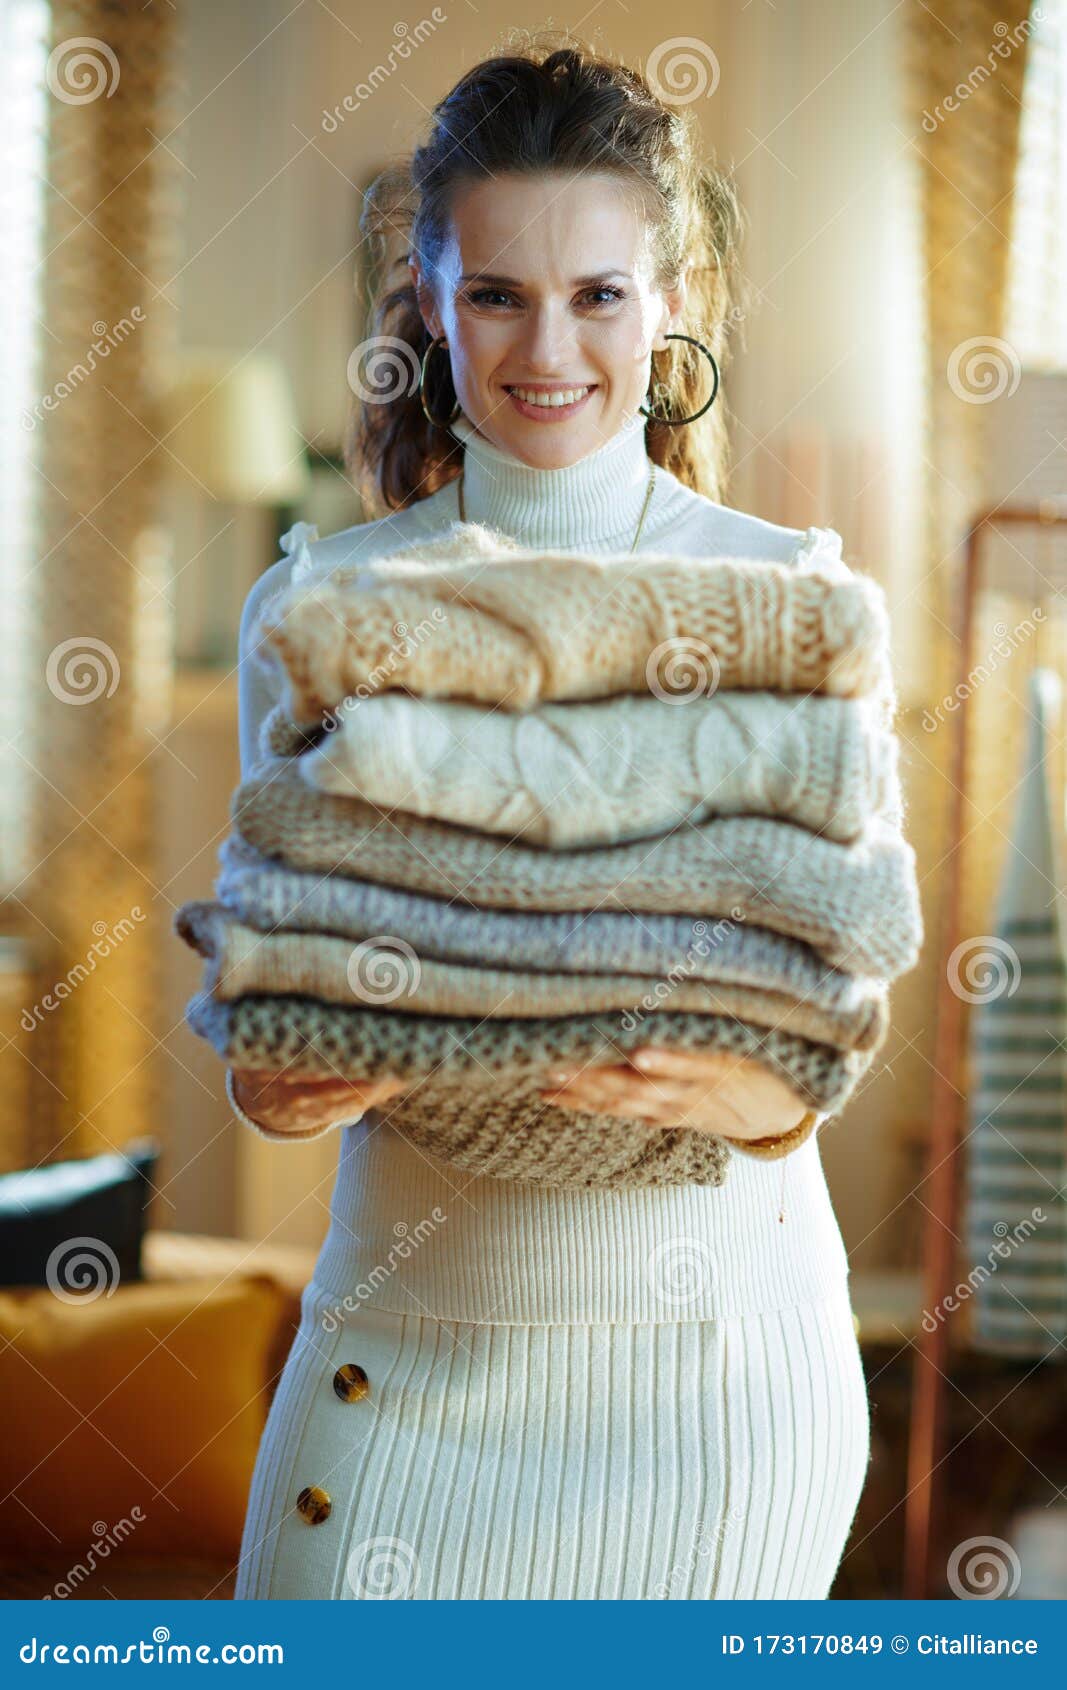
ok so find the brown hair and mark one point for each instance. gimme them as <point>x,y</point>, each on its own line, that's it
<point>543,107</point>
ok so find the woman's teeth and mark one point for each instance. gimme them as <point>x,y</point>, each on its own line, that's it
<point>565,396</point>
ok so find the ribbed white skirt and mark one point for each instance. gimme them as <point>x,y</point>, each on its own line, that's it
<point>679,1459</point>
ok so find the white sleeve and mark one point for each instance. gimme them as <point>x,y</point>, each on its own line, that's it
<point>260,680</point>
<point>822,549</point>
<point>260,685</point>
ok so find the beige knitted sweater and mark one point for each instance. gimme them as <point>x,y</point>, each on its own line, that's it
<point>519,629</point>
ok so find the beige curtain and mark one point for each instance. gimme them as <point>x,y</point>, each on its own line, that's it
<point>964,73</point>
<point>98,659</point>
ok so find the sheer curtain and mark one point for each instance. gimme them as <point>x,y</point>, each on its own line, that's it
<point>23,123</point>
<point>1037,310</point>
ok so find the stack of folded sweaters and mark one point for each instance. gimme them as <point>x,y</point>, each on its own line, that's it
<point>518,811</point>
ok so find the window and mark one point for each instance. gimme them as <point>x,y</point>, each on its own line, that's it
<point>24,26</point>
<point>1037,311</point>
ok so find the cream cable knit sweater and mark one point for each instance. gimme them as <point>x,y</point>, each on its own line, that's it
<point>617,769</point>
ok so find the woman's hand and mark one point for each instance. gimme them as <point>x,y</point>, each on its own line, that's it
<point>300,1103</point>
<point>710,1091</point>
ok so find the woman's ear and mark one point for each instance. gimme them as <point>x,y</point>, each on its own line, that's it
<point>424,298</point>
<point>674,303</point>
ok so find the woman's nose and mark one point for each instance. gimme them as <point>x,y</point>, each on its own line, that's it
<point>549,340</point>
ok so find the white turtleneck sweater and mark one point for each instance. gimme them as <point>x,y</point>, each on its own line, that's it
<point>409,1234</point>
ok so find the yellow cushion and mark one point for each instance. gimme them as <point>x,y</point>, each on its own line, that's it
<point>131,1421</point>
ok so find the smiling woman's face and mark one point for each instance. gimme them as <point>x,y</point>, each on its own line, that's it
<point>546,286</point>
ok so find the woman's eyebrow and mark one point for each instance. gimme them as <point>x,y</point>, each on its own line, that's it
<point>513,282</point>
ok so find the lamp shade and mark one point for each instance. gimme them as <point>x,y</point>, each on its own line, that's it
<point>232,427</point>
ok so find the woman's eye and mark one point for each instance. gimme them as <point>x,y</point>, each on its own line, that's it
<point>484,296</point>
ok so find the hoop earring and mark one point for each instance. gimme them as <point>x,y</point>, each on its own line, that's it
<point>436,421</point>
<point>677,422</point>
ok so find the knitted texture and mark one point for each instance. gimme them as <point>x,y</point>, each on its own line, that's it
<point>495,1120</point>
<point>393,973</point>
<point>857,904</point>
<point>520,629</point>
<point>265,894</point>
<point>622,768</point>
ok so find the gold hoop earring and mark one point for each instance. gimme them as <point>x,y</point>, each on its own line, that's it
<point>436,421</point>
<point>678,422</point>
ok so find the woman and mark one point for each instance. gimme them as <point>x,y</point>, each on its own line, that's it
<point>502,1389</point>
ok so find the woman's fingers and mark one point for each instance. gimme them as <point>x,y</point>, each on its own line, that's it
<point>615,1090</point>
<point>697,1064</point>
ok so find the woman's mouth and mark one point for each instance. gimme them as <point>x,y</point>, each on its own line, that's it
<point>549,404</point>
